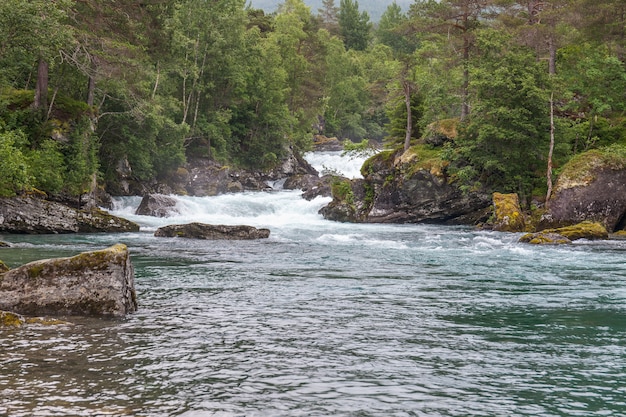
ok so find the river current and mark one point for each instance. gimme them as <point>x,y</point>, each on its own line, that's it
<point>329,319</point>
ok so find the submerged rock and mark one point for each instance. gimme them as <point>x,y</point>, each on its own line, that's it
<point>4,245</point>
<point>3,267</point>
<point>212,232</point>
<point>10,319</point>
<point>545,238</point>
<point>98,283</point>
<point>157,205</point>
<point>32,215</point>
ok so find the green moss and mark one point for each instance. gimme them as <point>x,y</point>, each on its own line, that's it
<point>585,230</point>
<point>8,319</point>
<point>508,215</point>
<point>35,271</point>
<point>384,157</point>
<point>3,267</point>
<point>427,158</point>
<point>580,170</point>
<point>543,238</point>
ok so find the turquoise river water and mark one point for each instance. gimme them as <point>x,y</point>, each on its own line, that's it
<point>329,319</point>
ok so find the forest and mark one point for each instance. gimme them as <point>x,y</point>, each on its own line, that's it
<point>88,88</point>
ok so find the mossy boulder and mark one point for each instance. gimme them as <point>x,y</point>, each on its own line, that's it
<point>4,245</point>
<point>3,267</point>
<point>508,216</point>
<point>591,187</point>
<point>583,230</point>
<point>545,238</point>
<point>567,234</point>
<point>97,283</point>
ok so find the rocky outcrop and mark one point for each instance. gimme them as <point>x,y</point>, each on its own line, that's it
<point>591,187</point>
<point>98,283</point>
<point>567,234</point>
<point>322,143</point>
<point>36,216</point>
<point>212,232</point>
<point>405,187</point>
<point>508,216</point>
<point>203,177</point>
<point>157,205</point>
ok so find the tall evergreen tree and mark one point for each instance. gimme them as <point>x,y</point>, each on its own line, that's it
<point>354,25</point>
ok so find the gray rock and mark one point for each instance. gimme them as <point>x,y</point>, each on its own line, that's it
<point>35,216</point>
<point>157,205</point>
<point>600,197</point>
<point>98,283</point>
<point>212,232</point>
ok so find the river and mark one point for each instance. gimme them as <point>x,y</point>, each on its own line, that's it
<point>329,319</point>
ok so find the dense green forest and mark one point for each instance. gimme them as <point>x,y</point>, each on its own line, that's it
<point>89,88</point>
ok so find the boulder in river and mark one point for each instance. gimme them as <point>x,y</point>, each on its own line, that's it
<point>583,230</point>
<point>97,283</point>
<point>591,187</point>
<point>157,205</point>
<point>212,232</point>
<point>32,215</point>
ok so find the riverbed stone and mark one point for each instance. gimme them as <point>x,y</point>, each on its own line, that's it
<point>96,283</point>
<point>212,232</point>
<point>157,205</point>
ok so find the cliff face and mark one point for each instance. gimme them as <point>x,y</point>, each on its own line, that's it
<point>405,187</point>
<point>592,187</point>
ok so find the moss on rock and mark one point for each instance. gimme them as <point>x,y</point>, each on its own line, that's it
<point>3,267</point>
<point>508,214</point>
<point>543,238</point>
<point>585,230</point>
<point>8,319</point>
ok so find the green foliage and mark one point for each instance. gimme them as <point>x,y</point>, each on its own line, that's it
<point>354,25</point>
<point>341,189</point>
<point>15,175</point>
<point>505,140</point>
<point>48,167</point>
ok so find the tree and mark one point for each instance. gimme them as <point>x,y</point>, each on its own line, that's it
<point>459,18</point>
<point>329,14</point>
<point>504,141</point>
<point>354,25</point>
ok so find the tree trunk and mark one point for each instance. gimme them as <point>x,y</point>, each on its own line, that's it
<point>406,85</point>
<point>465,89</point>
<point>41,89</point>
<point>551,151</point>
